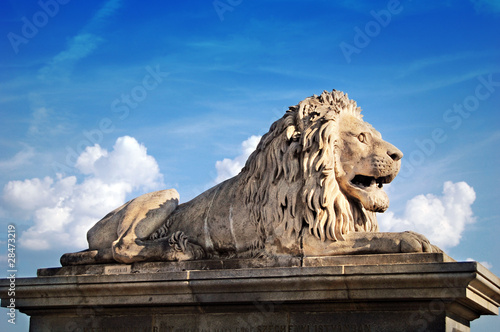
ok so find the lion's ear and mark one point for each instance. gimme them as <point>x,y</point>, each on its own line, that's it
<point>292,133</point>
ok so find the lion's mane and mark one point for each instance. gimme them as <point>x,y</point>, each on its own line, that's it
<point>290,179</point>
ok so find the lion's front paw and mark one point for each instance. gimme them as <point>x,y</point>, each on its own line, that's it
<point>183,250</point>
<point>414,242</point>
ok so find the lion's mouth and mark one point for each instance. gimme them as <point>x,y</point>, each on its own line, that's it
<point>364,182</point>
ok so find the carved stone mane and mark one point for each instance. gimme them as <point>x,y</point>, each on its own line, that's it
<point>291,176</point>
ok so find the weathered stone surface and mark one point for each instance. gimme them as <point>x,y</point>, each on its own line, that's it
<point>317,261</point>
<point>156,267</point>
<point>311,188</point>
<point>401,292</point>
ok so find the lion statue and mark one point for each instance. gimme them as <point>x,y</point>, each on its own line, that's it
<point>311,188</point>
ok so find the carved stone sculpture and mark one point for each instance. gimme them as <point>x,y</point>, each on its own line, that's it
<point>311,188</point>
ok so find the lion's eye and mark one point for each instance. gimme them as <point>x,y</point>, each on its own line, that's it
<point>362,138</point>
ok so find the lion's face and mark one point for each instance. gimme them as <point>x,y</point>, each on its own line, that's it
<point>365,163</point>
<point>322,164</point>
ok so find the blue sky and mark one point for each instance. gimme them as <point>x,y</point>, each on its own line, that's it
<point>176,93</point>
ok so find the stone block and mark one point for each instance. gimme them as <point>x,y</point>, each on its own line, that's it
<point>399,292</point>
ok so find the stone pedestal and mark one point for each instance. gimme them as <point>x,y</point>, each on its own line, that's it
<point>402,292</point>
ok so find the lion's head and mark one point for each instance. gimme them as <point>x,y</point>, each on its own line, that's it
<point>322,166</point>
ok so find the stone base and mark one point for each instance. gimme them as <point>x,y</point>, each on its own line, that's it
<point>401,292</point>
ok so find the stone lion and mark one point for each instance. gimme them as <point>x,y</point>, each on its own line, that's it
<point>311,188</point>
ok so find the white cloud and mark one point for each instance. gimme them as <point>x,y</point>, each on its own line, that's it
<point>30,194</point>
<point>86,161</point>
<point>228,168</point>
<point>442,219</point>
<point>19,159</point>
<point>487,265</point>
<point>62,210</point>
<point>141,170</point>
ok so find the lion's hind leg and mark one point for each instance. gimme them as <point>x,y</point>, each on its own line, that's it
<point>117,237</point>
<point>124,235</point>
<point>174,247</point>
<point>138,220</point>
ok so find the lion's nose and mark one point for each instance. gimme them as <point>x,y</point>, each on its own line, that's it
<point>394,153</point>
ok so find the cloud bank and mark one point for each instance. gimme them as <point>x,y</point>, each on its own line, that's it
<point>228,168</point>
<point>442,219</point>
<point>62,209</point>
